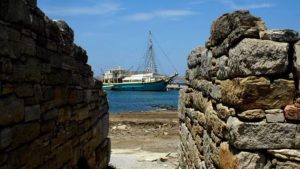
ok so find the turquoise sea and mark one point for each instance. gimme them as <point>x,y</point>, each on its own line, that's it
<point>138,101</point>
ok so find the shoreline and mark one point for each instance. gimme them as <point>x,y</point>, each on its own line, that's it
<point>154,134</point>
<point>154,116</point>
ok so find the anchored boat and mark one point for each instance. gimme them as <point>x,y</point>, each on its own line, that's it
<point>147,80</point>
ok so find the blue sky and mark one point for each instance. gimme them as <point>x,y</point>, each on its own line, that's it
<point>114,32</point>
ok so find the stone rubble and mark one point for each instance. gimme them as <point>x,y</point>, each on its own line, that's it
<point>242,107</point>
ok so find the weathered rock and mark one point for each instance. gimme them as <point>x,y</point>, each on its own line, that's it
<point>66,31</point>
<point>214,123</point>
<point>227,23</point>
<point>297,58</point>
<point>200,117</point>
<point>188,123</point>
<point>187,100</point>
<point>104,126</point>
<point>32,3</point>
<point>199,102</point>
<point>253,57</point>
<point>15,11</point>
<point>284,35</point>
<point>64,153</point>
<point>181,105</point>
<point>199,143</point>
<point>189,146</point>
<point>32,113</point>
<point>52,112</point>
<point>275,116</point>
<point>80,54</point>
<point>104,150</point>
<point>297,138</point>
<point>224,112</point>
<point>206,87</point>
<point>6,138</point>
<point>287,165</point>
<point>82,113</point>
<point>12,110</point>
<point>251,160</point>
<point>3,158</point>
<point>245,93</point>
<point>215,138</point>
<point>261,135</point>
<point>234,38</point>
<point>32,71</point>
<point>75,97</point>
<point>287,154</point>
<point>210,151</point>
<point>207,68</point>
<point>291,112</point>
<point>252,115</point>
<point>222,66</point>
<point>36,98</point>
<point>15,160</point>
<point>49,115</point>
<point>24,90</point>
<point>6,65</point>
<point>52,32</point>
<point>7,33</point>
<point>64,114</point>
<point>240,84</point>
<point>193,73</point>
<point>9,50</point>
<point>194,57</point>
<point>23,133</point>
<point>197,130</point>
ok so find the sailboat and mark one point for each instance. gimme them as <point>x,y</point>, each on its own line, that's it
<point>147,80</point>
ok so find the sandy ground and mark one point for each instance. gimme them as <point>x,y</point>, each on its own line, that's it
<point>147,140</point>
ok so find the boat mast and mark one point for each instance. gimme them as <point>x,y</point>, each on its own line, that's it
<point>151,66</point>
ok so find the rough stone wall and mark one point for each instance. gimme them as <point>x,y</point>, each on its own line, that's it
<point>242,109</point>
<point>52,112</point>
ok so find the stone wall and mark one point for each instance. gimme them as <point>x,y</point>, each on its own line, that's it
<point>52,112</point>
<point>242,108</point>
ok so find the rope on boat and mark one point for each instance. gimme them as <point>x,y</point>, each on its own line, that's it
<point>164,53</point>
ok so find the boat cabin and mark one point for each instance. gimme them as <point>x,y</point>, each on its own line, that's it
<point>114,75</point>
<point>142,78</point>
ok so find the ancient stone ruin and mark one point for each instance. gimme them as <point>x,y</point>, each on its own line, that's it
<point>53,114</point>
<point>241,110</point>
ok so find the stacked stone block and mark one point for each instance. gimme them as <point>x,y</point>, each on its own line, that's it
<point>53,114</point>
<point>242,107</point>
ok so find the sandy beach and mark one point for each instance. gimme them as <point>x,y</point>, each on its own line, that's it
<point>144,140</point>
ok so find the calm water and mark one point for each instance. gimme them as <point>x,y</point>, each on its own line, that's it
<point>135,101</point>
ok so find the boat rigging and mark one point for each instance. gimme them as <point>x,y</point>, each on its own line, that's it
<point>147,80</point>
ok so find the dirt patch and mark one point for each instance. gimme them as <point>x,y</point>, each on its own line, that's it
<point>138,137</point>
